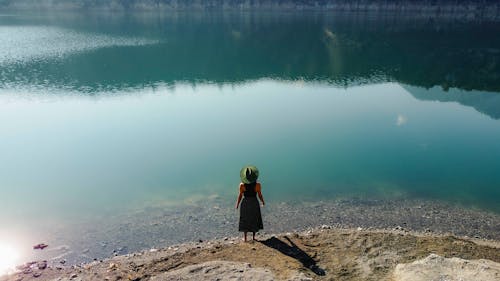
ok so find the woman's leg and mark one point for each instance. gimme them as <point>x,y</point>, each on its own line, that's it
<point>253,235</point>
<point>245,236</point>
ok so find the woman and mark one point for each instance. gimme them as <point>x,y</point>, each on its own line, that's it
<point>250,217</point>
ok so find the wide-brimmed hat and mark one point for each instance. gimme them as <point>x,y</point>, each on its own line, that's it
<point>249,174</point>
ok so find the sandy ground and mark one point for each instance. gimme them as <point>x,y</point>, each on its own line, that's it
<point>323,253</point>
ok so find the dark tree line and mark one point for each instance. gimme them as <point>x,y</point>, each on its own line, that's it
<point>245,4</point>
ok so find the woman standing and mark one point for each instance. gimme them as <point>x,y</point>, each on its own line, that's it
<point>250,216</point>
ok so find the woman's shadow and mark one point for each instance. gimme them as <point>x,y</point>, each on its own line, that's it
<point>295,252</point>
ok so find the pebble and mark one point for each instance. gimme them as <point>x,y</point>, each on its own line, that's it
<point>339,214</point>
<point>27,271</point>
<point>42,265</point>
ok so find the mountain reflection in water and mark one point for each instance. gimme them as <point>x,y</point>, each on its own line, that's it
<point>123,127</point>
<point>342,50</point>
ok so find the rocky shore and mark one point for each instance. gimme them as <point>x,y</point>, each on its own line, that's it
<point>322,253</point>
<point>161,224</point>
<point>348,239</point>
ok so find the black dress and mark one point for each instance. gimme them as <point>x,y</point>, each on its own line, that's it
<point>250,216</point>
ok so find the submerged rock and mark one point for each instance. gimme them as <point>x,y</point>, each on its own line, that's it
<point>40,246</point>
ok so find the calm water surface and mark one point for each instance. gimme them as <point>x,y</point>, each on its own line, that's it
<point>103,113</point>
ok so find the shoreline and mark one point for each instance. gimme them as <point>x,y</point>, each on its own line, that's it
<point>318,253</point>
<point>462,14</point>
<point>446,9</point>
<point>330,5</point>
<point>212,220</point>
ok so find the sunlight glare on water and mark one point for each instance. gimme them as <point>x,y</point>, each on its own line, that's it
<point>9,257</point>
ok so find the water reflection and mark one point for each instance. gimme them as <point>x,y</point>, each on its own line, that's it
<point>99,56</point>
<point>115,152</point>
<point>485,102</point>
<point>35,44</point>
<point>338,106</point>
<point>219,48</point>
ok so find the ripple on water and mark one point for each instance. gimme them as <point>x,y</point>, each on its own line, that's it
<point>21,44</point>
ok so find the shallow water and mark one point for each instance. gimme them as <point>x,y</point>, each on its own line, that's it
<point>105,114</point>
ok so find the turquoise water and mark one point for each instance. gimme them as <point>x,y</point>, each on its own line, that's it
<point>101,113</point>
<point>309,140</point>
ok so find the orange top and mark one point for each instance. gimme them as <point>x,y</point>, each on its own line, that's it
<point>258,188</point>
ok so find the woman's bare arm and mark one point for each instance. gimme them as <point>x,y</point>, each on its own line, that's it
<point>239,200</point>
<point>259,193</point>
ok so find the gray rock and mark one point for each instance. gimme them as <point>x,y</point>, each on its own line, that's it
<point>42,265</point>
<point>437,268</point>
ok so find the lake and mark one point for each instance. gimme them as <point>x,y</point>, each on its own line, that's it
<point>102,115</point>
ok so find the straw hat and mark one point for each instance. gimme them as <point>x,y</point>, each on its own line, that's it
<point>249,174</point>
